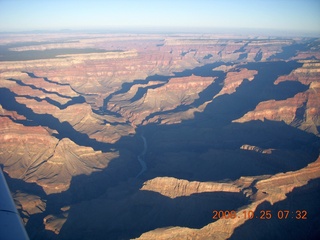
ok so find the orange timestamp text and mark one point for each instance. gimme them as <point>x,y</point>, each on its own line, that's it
<point>263,214</point>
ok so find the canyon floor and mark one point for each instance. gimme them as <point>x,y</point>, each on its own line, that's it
<point>162,136</point>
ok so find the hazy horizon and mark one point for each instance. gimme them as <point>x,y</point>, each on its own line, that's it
<point>275,17</point>
<point>220,31</point>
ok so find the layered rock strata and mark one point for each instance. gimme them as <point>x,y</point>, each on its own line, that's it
<point>271,189</point>
<point>71,120</point>
<point>302,110</point>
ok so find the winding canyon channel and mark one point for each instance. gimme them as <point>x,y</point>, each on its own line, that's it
<point>141,157</point>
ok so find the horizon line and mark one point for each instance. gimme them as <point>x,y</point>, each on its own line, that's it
<point>171,30</point>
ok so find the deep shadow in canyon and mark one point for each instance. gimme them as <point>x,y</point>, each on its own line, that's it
<point>65,130</point>
<point>214,154</point>
<point>206,95</point>
<point>84,188</point>
<point>203,71</point>
<point>201,148</point>
<point>295,225</point>
<point>206,148</point>
<point>291,50</point>
<point>129,216</point>
<point>72,100</point>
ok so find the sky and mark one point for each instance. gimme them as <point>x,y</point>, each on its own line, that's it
<point>188,15</point>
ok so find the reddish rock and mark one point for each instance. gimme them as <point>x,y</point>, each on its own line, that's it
<point>28,205</point>
<point>302,110</point>
<point>234,80</point>
<point>33,155</point>
<point>12,114</point>
<point>172,187</point>
<point>177,92</point>
<point>272,189</point>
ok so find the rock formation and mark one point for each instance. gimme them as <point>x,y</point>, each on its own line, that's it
<point>32,154</point>
<point>217,123</point>
<point>271,189</point>
<point>302,110</point>
<point>176,92</point>
<point>173,188</point>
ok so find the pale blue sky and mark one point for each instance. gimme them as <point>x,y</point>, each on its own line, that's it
<point>281,15</point>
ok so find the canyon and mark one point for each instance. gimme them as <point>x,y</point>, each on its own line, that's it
<point>144,136</point>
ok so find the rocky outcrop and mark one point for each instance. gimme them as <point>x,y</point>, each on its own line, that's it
<point>300,111</point>
<point>234,79</point>
<point>43,97</point>
<point>83,120</point>
<point>279,185</point>
<point>54,223</point>
<point>32,92</point>
<point>71,124</point>
<point>33,155</point>
<point>11,114</point>
<point>177,92</point>
<point>44,85</point>
<point>28,204</point>
<point>256,149</point>
<point>172,187</point>
<point>271,189</point>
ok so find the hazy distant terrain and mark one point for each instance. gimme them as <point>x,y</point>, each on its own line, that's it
<point>152,136</point>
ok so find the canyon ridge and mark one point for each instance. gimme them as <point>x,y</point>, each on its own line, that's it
<point>161,136</point>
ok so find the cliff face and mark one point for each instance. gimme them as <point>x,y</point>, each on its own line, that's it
<point>33,155</point>
<point>173,188</point>
<point>158,131</point>
<point>272,189</point>
<point>28,205</point>
<point>302,110</point>
<point>234,79</point>
<point>176,92</point>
